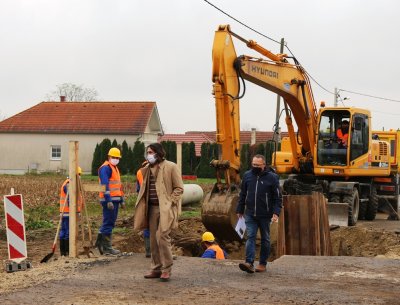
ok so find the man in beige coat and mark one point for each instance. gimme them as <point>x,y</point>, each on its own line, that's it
<point>157,207</point>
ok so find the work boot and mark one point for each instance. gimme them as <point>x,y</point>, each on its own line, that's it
<point>66,247</point>
<point>99,243</point>
<point>62,247</point>
<point>147,246</point>
<point>107,245</point>
<point>249,268</point>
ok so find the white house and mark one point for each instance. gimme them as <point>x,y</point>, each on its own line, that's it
<point>37,139</point>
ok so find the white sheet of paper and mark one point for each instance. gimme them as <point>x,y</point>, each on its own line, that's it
<point>241,227</point>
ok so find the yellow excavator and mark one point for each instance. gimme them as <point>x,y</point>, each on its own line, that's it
<point>315,159</point>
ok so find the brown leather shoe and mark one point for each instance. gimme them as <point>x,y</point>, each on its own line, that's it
<point>165,276</point>
<point>154,274</point>
<point>261,268</point>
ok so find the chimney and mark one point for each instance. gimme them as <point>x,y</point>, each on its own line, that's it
<point>253,136</point>
<point>62,98</point>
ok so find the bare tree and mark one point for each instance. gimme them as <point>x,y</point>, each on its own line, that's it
<point>73,93</point>
<point>2,116</point>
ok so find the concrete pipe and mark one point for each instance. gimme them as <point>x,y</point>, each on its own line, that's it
<point>192,193</point>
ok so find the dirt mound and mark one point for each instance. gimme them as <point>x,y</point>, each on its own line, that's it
<point>346,241</point>
<point>365,242</point>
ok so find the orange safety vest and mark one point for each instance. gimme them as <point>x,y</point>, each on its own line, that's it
<point>114,183</point>
<point>341,136</point>
<point>139,177</point>
<point>63,195</point>
<point>219,253</point>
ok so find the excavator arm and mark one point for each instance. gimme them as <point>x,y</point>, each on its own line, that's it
<point>274,74</point>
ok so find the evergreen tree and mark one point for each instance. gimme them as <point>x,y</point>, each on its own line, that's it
<point>244,159</point>
<point>105,146</point>
<point>170,150</point>
<point>204,170</point>
<point>123,163</point>
<point>186,166</point>
<point>270,149</point>
<point>130,161</point>
<point>96,161</point>
<point>138,156</point>
<point>115,144</point>
<point>260,150</point>
<point>192,158</point>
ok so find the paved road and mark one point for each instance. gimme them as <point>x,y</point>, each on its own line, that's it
<point>289,280</point>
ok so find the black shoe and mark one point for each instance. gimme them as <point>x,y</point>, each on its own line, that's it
<point>247,267</point>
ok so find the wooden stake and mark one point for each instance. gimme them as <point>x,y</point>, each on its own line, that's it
<point>73,165</point>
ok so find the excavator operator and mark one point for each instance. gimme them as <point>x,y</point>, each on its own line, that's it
<point>343,134</point>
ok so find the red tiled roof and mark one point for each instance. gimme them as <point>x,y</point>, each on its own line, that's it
<point>245,136</point>
<point>81,117</point>
<point>197,138</point>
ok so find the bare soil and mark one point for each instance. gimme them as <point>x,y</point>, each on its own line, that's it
<point>364,270</point>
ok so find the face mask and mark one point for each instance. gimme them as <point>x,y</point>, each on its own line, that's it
<point>151,158</point>
<point>114,161</point>
<point>256,170</point>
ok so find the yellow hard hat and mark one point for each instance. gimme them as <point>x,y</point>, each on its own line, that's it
<point>208,237</point>
<point>114,152</point>
<point>79,170</point>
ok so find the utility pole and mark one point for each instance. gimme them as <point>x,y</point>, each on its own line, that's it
<point>276,136</point>
<point>335,102</point>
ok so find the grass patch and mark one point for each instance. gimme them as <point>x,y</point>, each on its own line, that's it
<point>121,230</point>
<point>38,224</point>
<point>190,214</point>
<point>95,208</point>
<point>40,217</point>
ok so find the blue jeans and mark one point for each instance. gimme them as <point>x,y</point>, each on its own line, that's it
<point>64,232</point>
<point>253,223</point>
<point>109,218</point>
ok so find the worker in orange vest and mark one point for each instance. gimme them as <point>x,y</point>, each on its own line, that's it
<point>64,209</point>
<point>343,133</point>
<point>212,248</point>
<point>111,200</point>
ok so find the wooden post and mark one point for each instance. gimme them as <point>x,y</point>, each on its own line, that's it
<point>179,156</point>
<point>73,165</point>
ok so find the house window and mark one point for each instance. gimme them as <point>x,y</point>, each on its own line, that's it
<point>55,152</point>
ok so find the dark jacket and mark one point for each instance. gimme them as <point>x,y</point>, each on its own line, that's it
<point>260,194</point>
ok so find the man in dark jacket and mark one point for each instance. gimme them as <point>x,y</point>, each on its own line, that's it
<point>259,203</point>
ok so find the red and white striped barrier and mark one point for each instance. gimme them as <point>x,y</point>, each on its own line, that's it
<point>15,224</point>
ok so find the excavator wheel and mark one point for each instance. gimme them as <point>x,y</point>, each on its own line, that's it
<point>353,202</point>
<point>372,207</point>
<point>218,214</point>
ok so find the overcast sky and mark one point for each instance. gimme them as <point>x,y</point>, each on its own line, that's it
<point>160,50</point>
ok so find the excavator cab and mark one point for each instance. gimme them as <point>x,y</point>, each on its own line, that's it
<point>333,138</point>
<point>343,137</point>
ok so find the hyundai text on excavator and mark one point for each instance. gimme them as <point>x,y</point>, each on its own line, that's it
<point>315,159</point>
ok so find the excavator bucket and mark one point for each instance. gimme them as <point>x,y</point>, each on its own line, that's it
<point>338,214</point>
<point>218,214</point>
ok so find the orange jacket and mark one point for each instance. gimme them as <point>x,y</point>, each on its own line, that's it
<point>219,253</point>
<point>342,137</point>
<point>63,195</point>
<point>114,183</point>
<point>139,177</point>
